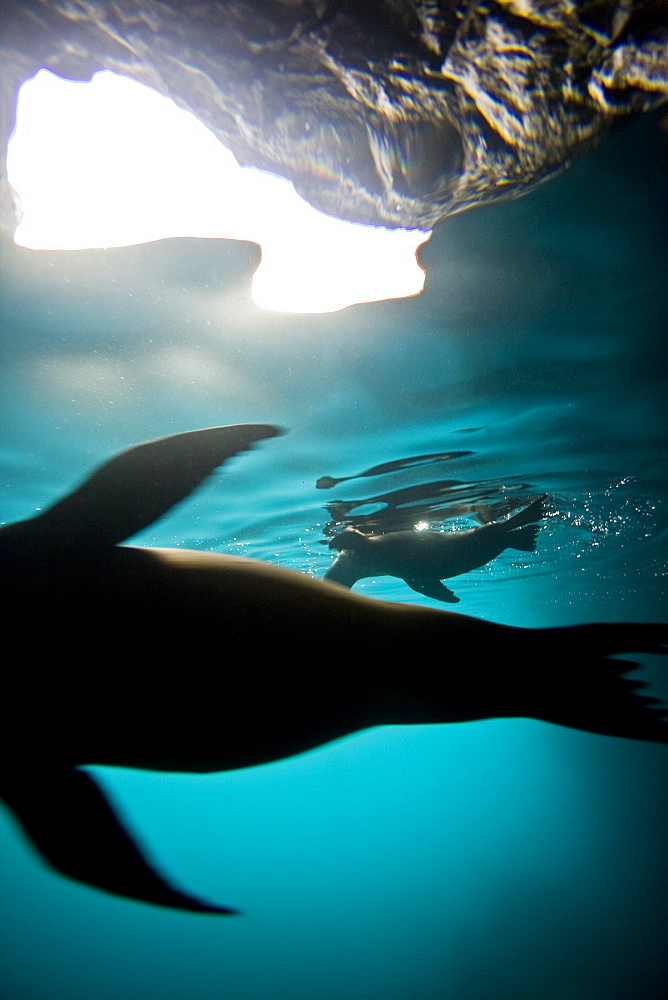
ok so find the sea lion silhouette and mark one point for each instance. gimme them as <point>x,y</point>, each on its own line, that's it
<point>423,558</point>
<point>176,660</point>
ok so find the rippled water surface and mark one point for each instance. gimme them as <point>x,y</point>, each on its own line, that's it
<point>505,860</point>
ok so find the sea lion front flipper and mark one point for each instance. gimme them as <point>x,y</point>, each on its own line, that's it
<point>139,485</point>
<point>433,588</point>
<point>344,570</point>
<point>71,823</point>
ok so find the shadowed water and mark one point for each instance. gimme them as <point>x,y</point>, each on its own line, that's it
<point>505,860</point>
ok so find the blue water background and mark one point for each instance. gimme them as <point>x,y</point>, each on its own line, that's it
<point>504,860</point>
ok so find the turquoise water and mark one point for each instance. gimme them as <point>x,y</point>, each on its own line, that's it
<point>505,860</point>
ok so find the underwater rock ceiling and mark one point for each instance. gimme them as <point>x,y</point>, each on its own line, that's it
<point>387,112</point>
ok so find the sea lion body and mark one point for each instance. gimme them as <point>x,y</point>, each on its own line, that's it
<point>195,661</point>
<point>423,558</point>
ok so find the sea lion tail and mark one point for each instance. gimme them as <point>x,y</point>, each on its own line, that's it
<point>522,527</point>
<point>524,539</point>
<point>585,688</point>
<point>533,512</point>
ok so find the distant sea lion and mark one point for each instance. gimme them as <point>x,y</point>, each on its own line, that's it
<point>423,558</point>
<point>177,660</point>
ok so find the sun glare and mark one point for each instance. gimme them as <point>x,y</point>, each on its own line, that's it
<point>112,163</point>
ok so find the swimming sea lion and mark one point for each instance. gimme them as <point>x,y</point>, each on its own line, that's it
<point>423,558</point>
<point>177,660</point>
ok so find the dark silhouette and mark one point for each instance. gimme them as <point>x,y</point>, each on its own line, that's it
<point>177,660</point>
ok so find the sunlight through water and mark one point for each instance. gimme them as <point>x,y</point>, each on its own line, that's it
<point>112,163</point>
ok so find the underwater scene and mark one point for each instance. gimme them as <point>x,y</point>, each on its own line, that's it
<point>502,859</point>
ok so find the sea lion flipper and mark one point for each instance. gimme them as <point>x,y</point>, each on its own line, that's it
<point>344,570</point>
<point>433,588</point>
<point>136,487</point>
<point>588,689</point>
<point>524,539</point>
<point>71,823</point>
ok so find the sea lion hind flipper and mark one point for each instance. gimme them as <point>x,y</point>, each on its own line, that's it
<point>75,829</point>
<point>524,538</point>
<point>492,514</point>
<point>136,487</point>
<point>589,691</point>
<point>534,511</point>
<point>433,588</point>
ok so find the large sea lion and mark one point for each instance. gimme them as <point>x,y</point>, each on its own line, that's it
<point>423,558</point>
<point>176,660</point>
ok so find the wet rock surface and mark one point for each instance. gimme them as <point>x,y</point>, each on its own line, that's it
<point>391,112</point>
